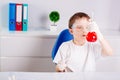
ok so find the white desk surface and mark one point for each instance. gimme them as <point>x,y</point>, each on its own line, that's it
<point>59,76</point>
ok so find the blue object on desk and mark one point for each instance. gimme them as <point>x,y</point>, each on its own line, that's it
<point>62,37</point>
<point>12,16</point>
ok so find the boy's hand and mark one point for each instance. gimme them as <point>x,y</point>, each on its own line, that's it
<point>94,27</point>
<point>59,70</point>
<point>61,66</point>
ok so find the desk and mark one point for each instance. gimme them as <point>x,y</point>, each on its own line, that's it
<point>60,76</point>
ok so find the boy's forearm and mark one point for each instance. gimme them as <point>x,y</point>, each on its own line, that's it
<point>106,48</point>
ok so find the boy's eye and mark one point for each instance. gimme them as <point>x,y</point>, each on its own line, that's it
<point>79,27</point>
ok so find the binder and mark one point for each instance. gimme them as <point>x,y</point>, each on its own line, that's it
<point>25,17</point>
<point>12,16</point>
<point>18,17</point>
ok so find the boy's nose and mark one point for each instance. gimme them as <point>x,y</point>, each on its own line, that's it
<point>85,30</point>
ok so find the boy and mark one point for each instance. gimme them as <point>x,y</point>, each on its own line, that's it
<point>78,55</point>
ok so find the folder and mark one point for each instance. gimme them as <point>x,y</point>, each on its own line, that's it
<point>12,16</point>
<point>25,17</point>
<point>18,17</point>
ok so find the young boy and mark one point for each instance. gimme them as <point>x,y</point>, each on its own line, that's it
<point>79,55</point>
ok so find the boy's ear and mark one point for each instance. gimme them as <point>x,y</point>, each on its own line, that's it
<point>71,31</point>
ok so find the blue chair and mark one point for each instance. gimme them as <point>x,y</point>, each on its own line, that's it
<point>62,37</point>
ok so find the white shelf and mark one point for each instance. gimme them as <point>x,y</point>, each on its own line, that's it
<point>48,33</point>
<point>40,33</point>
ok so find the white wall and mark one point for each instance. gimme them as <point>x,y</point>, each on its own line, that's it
<point>106,12</point>
<point>26,53</point>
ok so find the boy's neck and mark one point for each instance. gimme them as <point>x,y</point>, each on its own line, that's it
<point>79,42</point>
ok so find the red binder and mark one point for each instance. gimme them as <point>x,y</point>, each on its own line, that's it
<point>18,17</point>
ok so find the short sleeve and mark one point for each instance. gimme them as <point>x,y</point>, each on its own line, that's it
<point>61,53</point>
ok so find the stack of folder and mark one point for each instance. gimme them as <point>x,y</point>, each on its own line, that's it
<point>18,17</point>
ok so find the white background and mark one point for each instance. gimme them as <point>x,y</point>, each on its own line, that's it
<point>106,12</point>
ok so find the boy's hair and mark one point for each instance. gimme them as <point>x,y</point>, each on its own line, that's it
<point>77,16</point>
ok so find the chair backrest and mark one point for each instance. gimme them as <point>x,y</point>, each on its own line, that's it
<point>62,37</point>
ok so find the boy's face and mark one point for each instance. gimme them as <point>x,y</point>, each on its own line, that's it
<point>80,28</point>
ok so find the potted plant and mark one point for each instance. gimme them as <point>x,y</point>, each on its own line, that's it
<point>54,17</point>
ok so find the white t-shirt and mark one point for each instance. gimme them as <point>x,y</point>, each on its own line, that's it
<point>79,58</point>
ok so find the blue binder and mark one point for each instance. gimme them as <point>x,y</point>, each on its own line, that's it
<point>25,17</point>
<point>12,16</point>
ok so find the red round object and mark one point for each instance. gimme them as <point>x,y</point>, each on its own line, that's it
<point>91,37</point>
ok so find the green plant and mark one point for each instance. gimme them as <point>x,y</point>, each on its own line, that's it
<point>54,16</point>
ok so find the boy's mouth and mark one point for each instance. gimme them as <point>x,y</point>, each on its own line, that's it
<point>84,35</point>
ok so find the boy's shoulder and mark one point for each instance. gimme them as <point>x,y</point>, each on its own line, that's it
<point>67,43</point>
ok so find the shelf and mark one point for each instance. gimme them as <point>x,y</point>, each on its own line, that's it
<point>48,33</point>
<point>40,33</point>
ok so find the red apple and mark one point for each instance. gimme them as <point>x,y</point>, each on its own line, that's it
<point>91,37</point>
